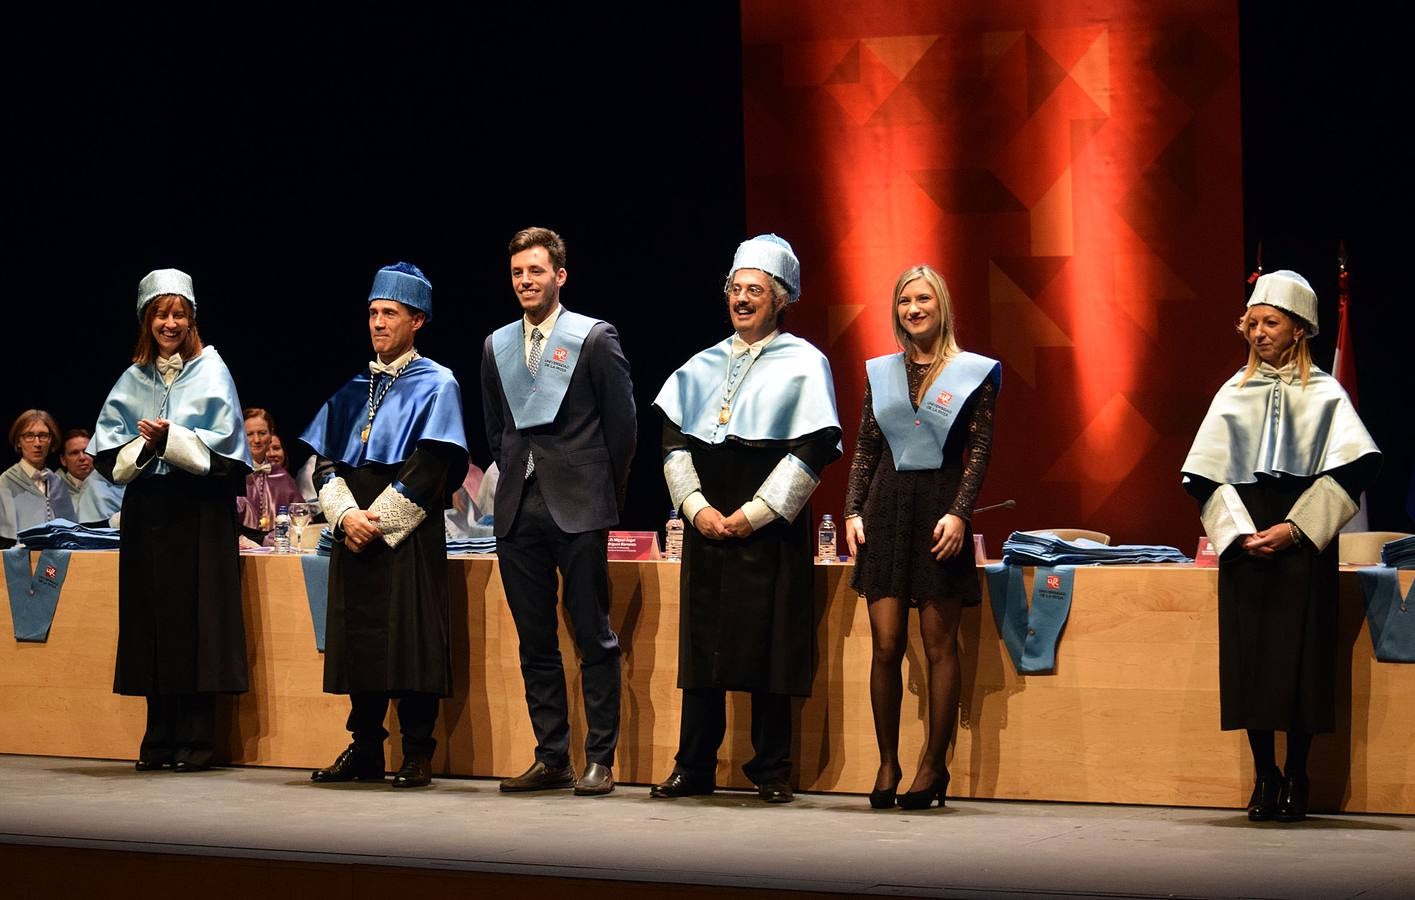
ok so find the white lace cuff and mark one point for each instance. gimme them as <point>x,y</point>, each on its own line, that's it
<point>788,487</point>
<point>186,451</point>
<point>1321,511</point>
<point>125,467</point>
<point>682,478</point>
<point>336,500</point>
<point>1225,518</point>
<point>397,515</point>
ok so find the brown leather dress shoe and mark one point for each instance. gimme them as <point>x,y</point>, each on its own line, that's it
<point>354,764</point>
<point>595,781</point>
<point>681,785</point>
<point>540,777</point>
<point>414,773</point>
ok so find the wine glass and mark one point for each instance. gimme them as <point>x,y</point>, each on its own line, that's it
<point>299,517</point>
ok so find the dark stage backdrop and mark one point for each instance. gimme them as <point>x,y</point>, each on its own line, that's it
<point>282,155</point>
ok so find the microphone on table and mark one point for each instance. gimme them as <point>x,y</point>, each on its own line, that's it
<point>1006,504</point>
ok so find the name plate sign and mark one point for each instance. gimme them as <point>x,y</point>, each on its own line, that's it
<point>634,545</point>
<point>1205,557</point>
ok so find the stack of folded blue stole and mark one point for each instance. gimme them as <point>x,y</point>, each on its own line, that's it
<point>483,544</point>
<point>1400,553</point>
<point>1049,550</point>
<point>1030,630</point>
<point>61,534</point>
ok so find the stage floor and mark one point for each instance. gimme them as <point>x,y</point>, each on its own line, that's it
<point>821,843</point>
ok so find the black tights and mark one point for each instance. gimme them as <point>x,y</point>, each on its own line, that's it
<point>1265,753</point>
<point>889,628</point>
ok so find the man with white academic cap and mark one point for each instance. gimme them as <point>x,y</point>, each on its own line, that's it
<point>749,423</point>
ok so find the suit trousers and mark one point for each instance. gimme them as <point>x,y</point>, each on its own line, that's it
<point>179,729</point>
<point>704,725</point>
<point>417,714</point>
<point>529,556</point>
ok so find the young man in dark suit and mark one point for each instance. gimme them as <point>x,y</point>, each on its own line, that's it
<point>560,419</point>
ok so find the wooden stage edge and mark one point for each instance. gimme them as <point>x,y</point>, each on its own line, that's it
<point>1130,715</point>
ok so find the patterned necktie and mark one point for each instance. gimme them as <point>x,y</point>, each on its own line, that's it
<point>533,363</point>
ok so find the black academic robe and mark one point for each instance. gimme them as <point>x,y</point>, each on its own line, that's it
<point>1278,618</point>
<point>180,625</point>
<point>387,629</point>
<point>747,608</point>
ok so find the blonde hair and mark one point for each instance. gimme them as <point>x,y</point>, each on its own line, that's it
<point>946,345</point>
<point>1299,352</point>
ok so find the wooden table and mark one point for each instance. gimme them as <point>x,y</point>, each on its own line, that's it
<point>1131,715</point>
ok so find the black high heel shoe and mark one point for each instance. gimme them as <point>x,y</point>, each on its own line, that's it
<point>1262,806</point>
<point>883,798</point>
<point>925,798</point>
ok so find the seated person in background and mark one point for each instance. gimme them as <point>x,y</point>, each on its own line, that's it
<point>96,499</point>
<point>269,486</point>
<point>31,494</point>
<point>276,454</point>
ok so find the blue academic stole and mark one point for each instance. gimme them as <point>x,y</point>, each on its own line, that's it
<point>916,436</point>
<point>34,596</point>
<point>1030,631</point>
<point>1390,617</point>
<point>535,400</point>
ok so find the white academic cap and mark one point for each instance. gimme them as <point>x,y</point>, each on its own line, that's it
<point>165,281</point>
<point>1290,293</point>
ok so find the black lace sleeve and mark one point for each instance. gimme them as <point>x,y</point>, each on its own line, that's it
<point>977,451</point>
<point>868,444</point>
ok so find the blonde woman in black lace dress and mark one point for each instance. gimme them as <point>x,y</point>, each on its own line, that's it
<point>923,448</point>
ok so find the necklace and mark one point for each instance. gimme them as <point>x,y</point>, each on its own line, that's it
<point>375,403</point>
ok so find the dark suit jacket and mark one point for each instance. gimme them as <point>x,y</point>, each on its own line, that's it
<point>582,458</point>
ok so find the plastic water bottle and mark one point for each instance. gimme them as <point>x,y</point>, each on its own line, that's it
<point>282,530</point>
<point>825,541</point>
<point>673,537</point>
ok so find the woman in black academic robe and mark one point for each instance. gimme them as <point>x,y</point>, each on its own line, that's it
<point>171,430</point>
<point>1278,466</point>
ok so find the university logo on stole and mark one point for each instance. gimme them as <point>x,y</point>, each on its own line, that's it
<point>560,354</point>
<point>1054,582</point>
<point>944,398</point>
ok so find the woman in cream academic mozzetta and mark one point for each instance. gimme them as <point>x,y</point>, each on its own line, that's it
<point>1277,467</point>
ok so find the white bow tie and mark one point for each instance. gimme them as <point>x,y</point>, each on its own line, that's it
<point>261,468</point>
<point>171,365</point>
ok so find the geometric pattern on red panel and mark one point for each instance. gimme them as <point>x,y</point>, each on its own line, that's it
<point>1072,169</point>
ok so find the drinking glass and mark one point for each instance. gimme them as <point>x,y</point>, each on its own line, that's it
<point>299,517</point>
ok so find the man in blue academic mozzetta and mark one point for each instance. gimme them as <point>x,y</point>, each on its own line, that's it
<point>560,420</point>
<point>390,451</point>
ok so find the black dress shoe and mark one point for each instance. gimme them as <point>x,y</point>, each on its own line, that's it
<point>354,764</point>
<point>151,765</point>
<point>775,791</point>
<point>681,785</point>
<point>1292,804</point>
<point>540,777</point>
<point>883,798</point>
<point>595,781</point>
<point>1262,806</point>
<point>183,765</point>
<point>414,773</point>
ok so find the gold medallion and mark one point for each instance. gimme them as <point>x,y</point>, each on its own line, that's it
<point>265,523</point>
<point>724,414</point>
<point>363,435</point>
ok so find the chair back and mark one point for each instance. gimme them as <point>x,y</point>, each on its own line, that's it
<point>1363,548</point>
<point>1071,534</point>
